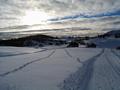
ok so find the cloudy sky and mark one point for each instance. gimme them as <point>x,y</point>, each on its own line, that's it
<point>59,16</point>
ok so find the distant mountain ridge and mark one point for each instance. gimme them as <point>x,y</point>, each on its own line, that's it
<point>113,33</point>
<point>35,40</point>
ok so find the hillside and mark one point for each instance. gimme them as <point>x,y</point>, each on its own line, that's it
<point>114,33</point>
<point>31,41</point>
<point>108,40</point>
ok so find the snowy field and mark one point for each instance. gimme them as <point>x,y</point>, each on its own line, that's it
<point>59,69</point>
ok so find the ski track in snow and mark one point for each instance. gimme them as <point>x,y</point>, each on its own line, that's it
<point>101,72</point>
<point>114,67</point>
<point>118,61</point>
<point>106,75</point>
<point>18,54</point>
<point>10,55</point>
<point>115,53</point>
<point>80,79</point>
<point>68,53</point>
<point>26,64</point>
<point>71,56</point>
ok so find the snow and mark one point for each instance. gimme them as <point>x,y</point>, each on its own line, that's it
<point>12,51</point>
<point>59,69</point>
<point>107,72</point>
<point>106,42</point>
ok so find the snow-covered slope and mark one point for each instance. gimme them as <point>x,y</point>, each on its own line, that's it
<point>113,33</point>
<point>106,42</point>
<point>59,69</point>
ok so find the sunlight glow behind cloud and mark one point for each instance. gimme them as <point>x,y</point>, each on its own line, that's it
<point>32,17</point>
<point>54,14</point>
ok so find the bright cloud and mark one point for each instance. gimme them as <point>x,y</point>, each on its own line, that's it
<point>94,14</point>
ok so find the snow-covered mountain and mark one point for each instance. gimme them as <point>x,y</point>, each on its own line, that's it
<point>108,40</point>
<point>114,33</point>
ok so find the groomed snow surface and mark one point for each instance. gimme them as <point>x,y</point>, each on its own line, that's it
<point>59,69</point>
